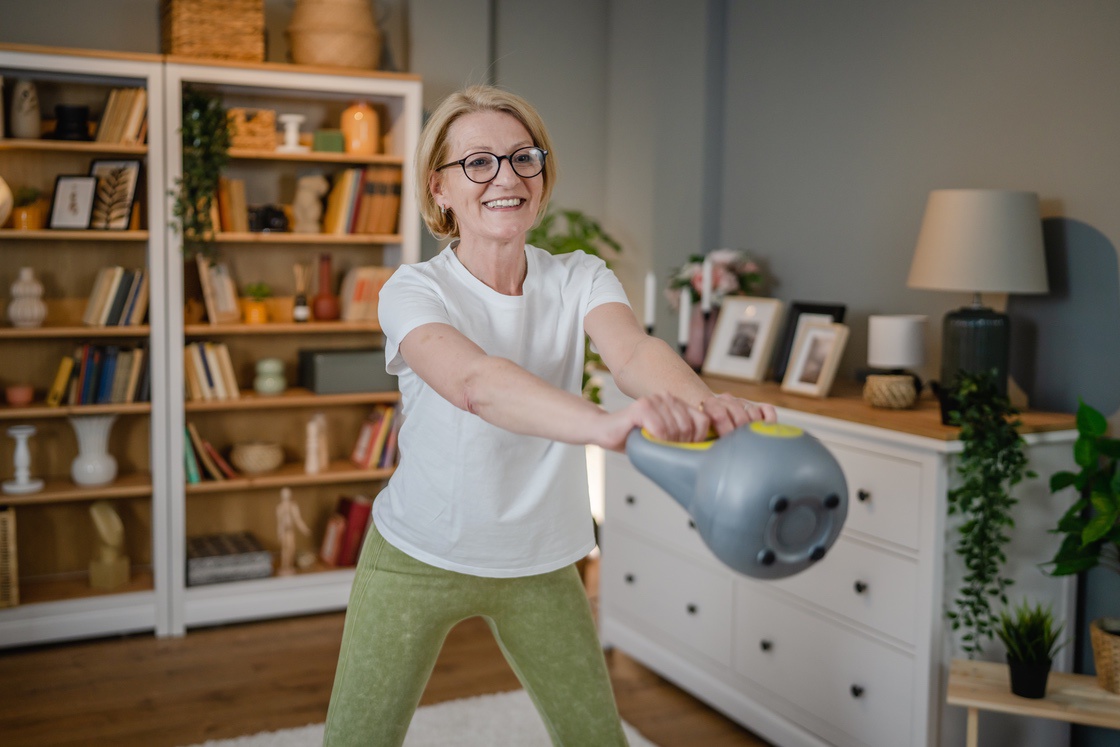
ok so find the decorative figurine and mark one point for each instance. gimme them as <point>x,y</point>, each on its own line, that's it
<point>25,117</point>
<point>291,124</point>
<point>317,457</point>
<point>307,208</point>
<point>288,519</point>
<point>110,568</point>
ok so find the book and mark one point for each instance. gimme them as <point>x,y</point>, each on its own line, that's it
<point>356,510</point>
<point>209,466</point>
<point>332,539</point>
<point>238,206</point>
<point>361,291</point>
<point>138,363</point>
<point>96,300</point>
<point>378,447</point>
<point>389,453</point>
<point>89,379</point>
<point>139,308</point>
<point>114,307</point>
<point>226,371</point>
<point>121,372</point>
<point>130,298</point>
<point>226,468</point>
<point>190,460</point>
<point>219,558</point>
<point>201,388</point>
<point>103,389</point>
<point>105,305</point>
<point>190,377</point>
<point>134,118</point>
<point>359,455</point>
<point>61,381</point>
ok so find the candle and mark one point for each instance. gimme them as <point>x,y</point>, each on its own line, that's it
<point>706,286</point>
<point>651,294</point>
<point>685,319</point>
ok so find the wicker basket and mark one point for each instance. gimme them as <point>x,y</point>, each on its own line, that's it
<point>256,457</point>
<point>214,29</point>
<point>334,33</point>
<point>254,129</point>
<point>1106,653</point>
<point>895,392</point>
<point>9,569</point>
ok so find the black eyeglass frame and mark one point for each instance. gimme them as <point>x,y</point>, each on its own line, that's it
<point>462,162</point>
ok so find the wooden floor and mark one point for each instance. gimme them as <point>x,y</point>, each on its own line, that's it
<point>242,679</point>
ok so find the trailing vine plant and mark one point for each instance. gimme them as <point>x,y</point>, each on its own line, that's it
<point>206,140</point>
<point>993,461</point>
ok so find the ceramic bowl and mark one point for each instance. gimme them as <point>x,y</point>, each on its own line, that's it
<point>19,395</point>
<point>256,457</point>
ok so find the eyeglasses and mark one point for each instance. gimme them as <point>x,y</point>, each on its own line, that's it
<point>482,167</point>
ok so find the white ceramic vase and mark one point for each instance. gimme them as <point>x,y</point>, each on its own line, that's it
<point>25,118</point>
<point>27,308</point>
<point>94,465</point>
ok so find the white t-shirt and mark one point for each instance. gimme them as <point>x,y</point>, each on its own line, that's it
<point>468,496</point>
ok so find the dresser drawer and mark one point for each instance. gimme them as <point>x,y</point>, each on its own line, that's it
<point>655,587</point>
<point>859,686</point>
<point>866,585</point>
<point>883,494</point>
<point>635,502</point>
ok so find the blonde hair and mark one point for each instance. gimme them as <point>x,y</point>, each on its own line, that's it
<point>432,151</point>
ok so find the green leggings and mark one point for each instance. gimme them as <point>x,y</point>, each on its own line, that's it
<point>402,609</point>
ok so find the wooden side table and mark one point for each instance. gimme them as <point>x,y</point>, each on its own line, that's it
<point>984,685</point>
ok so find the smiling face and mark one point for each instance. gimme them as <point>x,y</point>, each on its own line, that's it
<point>503,209</point>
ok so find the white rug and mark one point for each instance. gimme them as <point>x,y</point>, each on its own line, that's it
<point>500,720</point>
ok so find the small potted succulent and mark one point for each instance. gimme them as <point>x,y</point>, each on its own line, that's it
<point>1030,636</point>
<point>27,211</point>
<point>254,308</point>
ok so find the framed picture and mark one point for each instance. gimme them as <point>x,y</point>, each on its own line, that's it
<point>800,314</point>
<point>743,338</point>
<point>72,202</point>
<point>814,359</point>
<point>219,292</point>
<point>116,191</point>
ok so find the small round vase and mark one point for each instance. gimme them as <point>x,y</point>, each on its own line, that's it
<point>27,308</point>
<point>270,380</point>
<point>94,465</point>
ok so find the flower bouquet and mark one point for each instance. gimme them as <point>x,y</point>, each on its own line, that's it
<point>733,273</point>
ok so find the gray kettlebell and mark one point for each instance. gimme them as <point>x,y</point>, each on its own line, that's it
<point>768,499</point>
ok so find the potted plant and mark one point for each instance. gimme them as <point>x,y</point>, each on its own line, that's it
<point>1091,527</point>
<point>254,309</point>
<point>1031,639</point>
<point>992,462</point>
<point>206,140</point>
<point>27,210</point>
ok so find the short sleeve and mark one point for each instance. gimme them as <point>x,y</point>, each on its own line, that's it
<point>605,287</point>
<point>407,301</point>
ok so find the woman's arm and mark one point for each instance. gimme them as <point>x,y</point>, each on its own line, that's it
<point>643,365</point>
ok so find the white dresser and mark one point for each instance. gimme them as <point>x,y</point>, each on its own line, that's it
<point>855,650</point>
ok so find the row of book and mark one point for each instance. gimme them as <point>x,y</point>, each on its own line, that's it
<point>125,118</point>
<point>346,530</point>
<point>201,461</point>
<point>119,298</point>
<point>233,209</point>
<point>364,201</point>
<point>101,375</point>
<point>376,446</point>
<point>209,373</point>
<point>230,556</point>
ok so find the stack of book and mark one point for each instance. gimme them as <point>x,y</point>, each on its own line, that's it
<point>119,298</point>
<point>346,530</point>
<point>125,119</point>
<point>364,201</point>
<point>218,558</point>
<point>376,447</point>
<point>209,372</point>
<point>101,375</point>
<point>201,461</point>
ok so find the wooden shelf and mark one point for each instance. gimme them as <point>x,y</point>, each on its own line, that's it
<point>341,471</point>
<point>39,410</point>
<point>50,234</point>
<point>73,331</point>
<point>270,237</point>
<point>291,398</point>
<point>76,586</point>
<point>280,328</point>
<point>138,485</point>
<point>72,146</point>
<point>247,154</point>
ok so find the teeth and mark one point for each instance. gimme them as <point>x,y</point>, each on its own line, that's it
<point>508,202</point>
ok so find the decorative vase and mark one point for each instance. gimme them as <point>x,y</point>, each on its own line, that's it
<point>1028,678</point>
<point>25,118</point>
<point>270,380</point>
<point>699,336</point>
<point>360,129</point>
<point>340,33</point>
<point>325,305</point>
<point>27,308</point>
<point>94,465</point>
<point>6,200</point>
<point>1104,634</point>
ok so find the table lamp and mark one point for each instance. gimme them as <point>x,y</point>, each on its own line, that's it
<point>979,241</point>
<point>895,348</point>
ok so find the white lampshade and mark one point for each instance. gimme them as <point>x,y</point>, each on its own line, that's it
<point>896,341</point>
<point>980,240</point>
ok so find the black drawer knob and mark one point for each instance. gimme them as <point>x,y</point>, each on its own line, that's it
<point>629,578</point>
<point>692,609</point>
<point>860,587</point>
<point>765,645</point>
<point>863,495</point>
<point>691,524</point>
<point>857,691</point>
<point>631,500</point>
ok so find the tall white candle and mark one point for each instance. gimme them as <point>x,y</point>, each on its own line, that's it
<point>651,295</point>
<point>684,321</point>
<point>706,286</point>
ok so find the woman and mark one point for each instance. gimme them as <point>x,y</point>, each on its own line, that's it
<point>488,510</point>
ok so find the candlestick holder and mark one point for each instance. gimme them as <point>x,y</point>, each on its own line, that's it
<point>23,483</point>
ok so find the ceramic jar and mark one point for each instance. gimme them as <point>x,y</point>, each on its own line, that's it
<point>27,308</point>
<point>270,379</point>
<point>361,129</point>
<point>94,465</point>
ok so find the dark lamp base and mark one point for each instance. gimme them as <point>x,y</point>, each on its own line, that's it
<point>975,339</point>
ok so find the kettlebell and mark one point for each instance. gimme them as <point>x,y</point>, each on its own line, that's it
<point>768,499</point>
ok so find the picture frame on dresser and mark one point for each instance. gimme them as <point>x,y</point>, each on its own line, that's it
<point>802,313</point>
<point>743,338</point>
<point>117,182</point>
<point>814,358</point>
<point>72,202</point>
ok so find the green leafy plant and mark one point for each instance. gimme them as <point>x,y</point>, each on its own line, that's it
<point>206,139</point>
<point>25,196</point>
<point>1092,524</point>
<point>579,233</point>
<point>258,291</point>
<point>992,462</point>
<point>1029,633</point>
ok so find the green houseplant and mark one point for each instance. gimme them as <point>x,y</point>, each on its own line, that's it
<point>254,309</point>
<point>206,140</point>
<point>1090,529</point>
<point>1030,636</point>
<point>992,462</point>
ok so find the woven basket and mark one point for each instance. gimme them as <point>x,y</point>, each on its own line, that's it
<point>213,29</point>
<point>1106,654</point>
<point>256,457</point>
<point>254,129</point>
<point>891,391</point>
<point>334,33</point>
<point>9,568</point>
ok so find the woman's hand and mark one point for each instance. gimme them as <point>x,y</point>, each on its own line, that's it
<point>726,413</point>
<point>666,417</point>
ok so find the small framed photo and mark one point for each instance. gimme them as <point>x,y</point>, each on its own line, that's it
<point>72,202</point>
<point>814,359</point>
<point>743,338</point>
<point>116,191</point>
<point>800,314</point>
